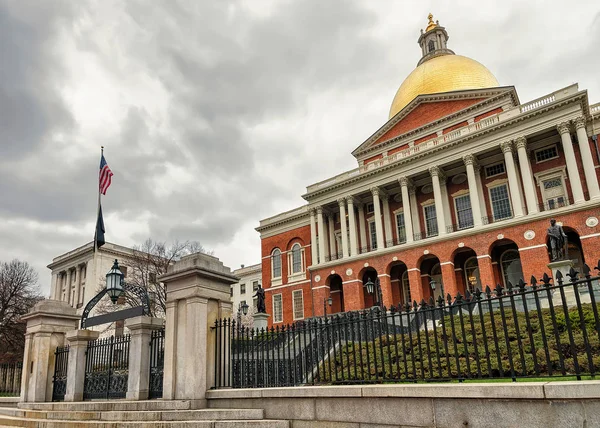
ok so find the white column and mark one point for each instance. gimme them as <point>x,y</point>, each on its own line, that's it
<point>586,159</point>
<point>527,176</point>
<point>313,238</point>
<point>470,162</point>
<point>331,226</point>
<point>140,328</point>
<point>565,136</point>
<point>77,286</point>
<point>445,199</point>
<point>414,208</point>
<point>325,238</point>
<point>377,213</point>
<point>513,183</point>
<point>68,287</point>
<point>437,195</point>
<point>406,208</point>
<point>387,224</point>
<point>322,234</point>
<point>479,184</point>
<point>352,226</point>
<point>54,286</point>
<point>344,230</point>
<point>361,227</point>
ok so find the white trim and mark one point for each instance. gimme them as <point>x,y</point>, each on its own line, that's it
<point>412,269</point>
<point>593,235</point>
<point>496,183</point>
<point>446,263</point>
<point>286,285</point>
<point>428,202</point>
<point>459,193</point>
<point>383,274</point>
<point>321,286</point>
<point>352,280</point>
<point>274,315</point>
<point>278,277</point>
<point>532,247</point>
<point>549,174</point>
<point>484,255</point>
<point>398,211</point>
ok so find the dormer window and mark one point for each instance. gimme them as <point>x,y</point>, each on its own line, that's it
<point>431,46</point>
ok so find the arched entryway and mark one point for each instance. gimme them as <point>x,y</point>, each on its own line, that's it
<point>432,281</point>
<point>466,269</point>
<point>367,274</point>
<point>336,291</point>
<point>506,261</point>
<point>399,282</point>
<point>574,249</point>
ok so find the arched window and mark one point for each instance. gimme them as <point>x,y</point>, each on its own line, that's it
<point>406,288</point>
<point>431,46</point>
<point>511,267</point>
<point>276,263</point>
<point>472,278</point>
<point>296,259</point>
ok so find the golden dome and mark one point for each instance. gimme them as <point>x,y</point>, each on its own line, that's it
<point>444,73</point>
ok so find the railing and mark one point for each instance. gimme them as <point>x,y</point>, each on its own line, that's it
<point>540,102</point>
<point>107,368</point>
<point>59,380</point>
<point>554,204</point>
<point>551,329</point>
<point>10,379</point>
<point>157,363</point>
<point>595,108</point>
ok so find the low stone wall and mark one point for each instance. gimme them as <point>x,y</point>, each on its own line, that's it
<point>9,401</point>
<point>526,404</point>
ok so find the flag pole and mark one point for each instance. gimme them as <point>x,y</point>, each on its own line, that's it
<point>98,208</point>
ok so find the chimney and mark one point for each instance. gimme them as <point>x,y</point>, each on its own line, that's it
<point>242,267</point>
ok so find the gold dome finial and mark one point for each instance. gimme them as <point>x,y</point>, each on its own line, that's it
<point>430,25</point>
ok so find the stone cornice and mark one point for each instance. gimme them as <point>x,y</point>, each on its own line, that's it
<point>422,99</point>
<point>577,97</point>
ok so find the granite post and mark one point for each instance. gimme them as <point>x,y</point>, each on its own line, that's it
<point>78,342</point>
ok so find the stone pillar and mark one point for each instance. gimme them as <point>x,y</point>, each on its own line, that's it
<point>313,239</point>
<point>414,208</point>
<point>437,195</point>
<point>527,176</point>
<point>387,223</point>
<point>408,226</point>
<point>386,290</point>
<point>470,162</point>
<point>78,286</point>
<point>325,233</point>
<point>576,188</point>
<point>78,343</point>
<point>479,184</point>
<point>140,329</point>
<point>54,287</point>
<point>47,323</point>
<point>331,226</point>
<point>352,226</point>
<point>361,227</point>
<point>586,158</point>
<point>197,295</point>
<point>68,287</point>
<point>377,212</point>
<point>322,239</point>
<point>343,224</point>
<point>513,183</point>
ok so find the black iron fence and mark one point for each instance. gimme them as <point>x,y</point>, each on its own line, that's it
<point>10,379</point>
<point>545,329</point>
<point>157,363</point>
<point>107,368</point>
<point>59,380</point>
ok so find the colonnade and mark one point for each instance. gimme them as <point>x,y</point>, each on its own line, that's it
<point>72,279</point>
<point>523,198</point>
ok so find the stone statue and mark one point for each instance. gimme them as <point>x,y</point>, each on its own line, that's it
<point>260,300</point>
<point>558,241</point>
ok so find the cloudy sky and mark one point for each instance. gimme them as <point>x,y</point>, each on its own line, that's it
<point>215,114</point>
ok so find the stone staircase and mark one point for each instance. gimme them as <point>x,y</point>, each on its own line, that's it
<point>113,414</point>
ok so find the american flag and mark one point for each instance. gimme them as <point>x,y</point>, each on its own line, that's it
<point>105,176</point>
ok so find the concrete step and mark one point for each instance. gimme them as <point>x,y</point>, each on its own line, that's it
<point>142,415</point>
<point>48,423</point>
<point>116,405</point>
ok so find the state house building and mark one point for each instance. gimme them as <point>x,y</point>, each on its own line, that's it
<point>456,189</point>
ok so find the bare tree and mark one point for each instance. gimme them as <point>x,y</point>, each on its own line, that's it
<point>19,291</point>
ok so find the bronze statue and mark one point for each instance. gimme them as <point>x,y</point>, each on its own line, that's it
<point>260,300</point>
<point>558,241</point>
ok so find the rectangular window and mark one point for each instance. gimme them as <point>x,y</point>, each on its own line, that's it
<point>276,264</point>
<point>500,202</point>
<point>493,170</point>
<point>298,305</point>
<point>254,285</point>
<point>464,215</point>
<point>277,308</point>
<point>554,194</point>
<point>242,288</point>
<point>370,208</point>
<point>546,153</point>
<point>400,228</point>
<point>231,291</point>
<point>431,220</point>
<point>373,234</point>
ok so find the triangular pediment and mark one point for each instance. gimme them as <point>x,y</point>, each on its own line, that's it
<point>433,109</point>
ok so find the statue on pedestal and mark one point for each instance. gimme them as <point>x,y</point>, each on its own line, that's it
<point>260,300</point>
<point>558,241</point>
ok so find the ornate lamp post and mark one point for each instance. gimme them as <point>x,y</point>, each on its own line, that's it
<point>328,301</point>
<point>242,310</point>
<point>114,282</point>
<point>433,285</point>
<point>375,287</point>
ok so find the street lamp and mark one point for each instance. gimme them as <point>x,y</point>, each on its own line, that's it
<point>375,287</point>
<point>328,301</point>
<point>245,308</point>
<point>433,285</point>
<point>114,282</point>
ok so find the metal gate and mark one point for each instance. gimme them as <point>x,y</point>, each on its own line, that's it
<point>107,368</point>
<point>59,380</point>
<point>157,360</point>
